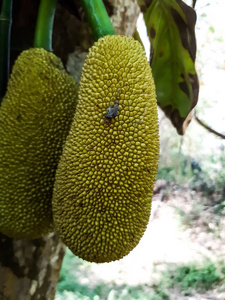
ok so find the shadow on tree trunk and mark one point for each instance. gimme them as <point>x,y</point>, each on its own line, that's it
<point>30,269</point>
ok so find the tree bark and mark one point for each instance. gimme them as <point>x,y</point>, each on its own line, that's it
<point>29,270</point>
<point>125,14</point>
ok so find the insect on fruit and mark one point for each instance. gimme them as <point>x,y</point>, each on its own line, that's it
<point>112,112</point>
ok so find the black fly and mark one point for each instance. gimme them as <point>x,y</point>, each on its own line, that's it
<point>112,112</point>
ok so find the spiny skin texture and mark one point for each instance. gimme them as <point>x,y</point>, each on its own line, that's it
<point>104,181</point>
<point>35,117</point>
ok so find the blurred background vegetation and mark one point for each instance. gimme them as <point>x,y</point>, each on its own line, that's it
<point>192,169</point>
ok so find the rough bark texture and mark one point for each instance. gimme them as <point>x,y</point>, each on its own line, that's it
<point>29,270</point>
<point>125,14</point>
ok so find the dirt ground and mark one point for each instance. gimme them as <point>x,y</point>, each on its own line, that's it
<point>184,228</point>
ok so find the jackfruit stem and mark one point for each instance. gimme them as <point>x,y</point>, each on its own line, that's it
<point>44,25</point>
<point>98,18</point>
<point>5,34</point>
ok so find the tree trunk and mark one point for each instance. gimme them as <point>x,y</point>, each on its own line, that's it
<point>29,270</point>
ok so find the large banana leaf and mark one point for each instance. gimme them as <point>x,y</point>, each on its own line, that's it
<point>170,26</point>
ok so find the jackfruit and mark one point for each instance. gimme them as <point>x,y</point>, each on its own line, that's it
<point>105,177</point>
<point>35,117</point>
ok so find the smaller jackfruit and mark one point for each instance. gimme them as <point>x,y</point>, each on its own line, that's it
<point>105,177</point>
<point>35,118</point>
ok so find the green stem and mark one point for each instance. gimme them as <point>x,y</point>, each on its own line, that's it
<point>5,34</point>
<point>98,18</point>
<point>44,25</point>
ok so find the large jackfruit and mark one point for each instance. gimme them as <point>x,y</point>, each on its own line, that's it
<point>35,117</point>
<point>105,177</point>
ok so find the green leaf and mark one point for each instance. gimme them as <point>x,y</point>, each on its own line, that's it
<point>170,26</point>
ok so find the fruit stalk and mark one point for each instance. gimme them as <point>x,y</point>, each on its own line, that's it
<point>44,26</point>
<point>5,33</point>
<point>98,18</point>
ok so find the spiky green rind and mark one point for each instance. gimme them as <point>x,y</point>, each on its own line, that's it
<point>35,117</point>
<point>104,182</point>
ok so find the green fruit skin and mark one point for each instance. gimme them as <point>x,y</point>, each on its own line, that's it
<point>35,117</point>
<point>104,182</point>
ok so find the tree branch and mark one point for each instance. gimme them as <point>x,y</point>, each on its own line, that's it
<point>193,3</point>
<point>222,136</point>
